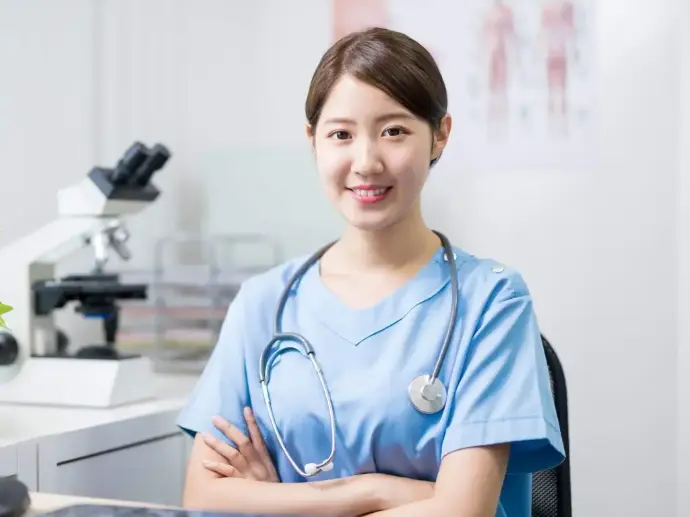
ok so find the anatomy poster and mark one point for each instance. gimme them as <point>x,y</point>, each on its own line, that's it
<point>519,73</point>
<point>354,15</point>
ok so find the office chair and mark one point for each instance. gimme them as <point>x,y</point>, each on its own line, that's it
<point>551,488</point>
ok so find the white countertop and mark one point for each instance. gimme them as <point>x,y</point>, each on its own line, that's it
<point>19,423</point>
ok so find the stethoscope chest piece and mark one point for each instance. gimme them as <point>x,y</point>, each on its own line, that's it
<point>427,397</point>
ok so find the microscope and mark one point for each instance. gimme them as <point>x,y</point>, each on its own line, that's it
<point>35,364</point>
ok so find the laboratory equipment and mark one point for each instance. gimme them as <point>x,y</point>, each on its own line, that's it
<point>194,279</point>
<point>427,392</point>
<point>34,368</point>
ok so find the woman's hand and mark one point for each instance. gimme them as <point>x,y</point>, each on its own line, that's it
<point>250,460</point>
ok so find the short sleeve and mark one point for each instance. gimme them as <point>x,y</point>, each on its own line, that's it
<point>222,387</point>
<point>504,392</point>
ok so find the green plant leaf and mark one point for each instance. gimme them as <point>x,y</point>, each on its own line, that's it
<point>4,309</point>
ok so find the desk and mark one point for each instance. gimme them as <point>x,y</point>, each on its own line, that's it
<point>19,423</point>
<point>43,502</point>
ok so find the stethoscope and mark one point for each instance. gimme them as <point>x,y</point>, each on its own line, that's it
<point>427,393</point>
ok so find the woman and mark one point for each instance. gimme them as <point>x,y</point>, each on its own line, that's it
<point>376,309</point>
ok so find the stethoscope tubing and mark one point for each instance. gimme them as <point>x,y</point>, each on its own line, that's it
<point>309,351</point>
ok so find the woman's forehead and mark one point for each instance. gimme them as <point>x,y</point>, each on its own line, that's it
<point>354,99</point>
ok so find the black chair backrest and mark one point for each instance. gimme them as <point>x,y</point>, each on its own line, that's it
<point>551,488</point>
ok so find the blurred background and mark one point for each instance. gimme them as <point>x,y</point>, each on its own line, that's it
<point>569,161</point>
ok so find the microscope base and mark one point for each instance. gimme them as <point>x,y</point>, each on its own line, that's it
<point>77,382</point>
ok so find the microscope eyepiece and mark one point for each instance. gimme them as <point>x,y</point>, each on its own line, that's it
<point>130,179</point>
<point>157,157</point>
<point>129,163</point>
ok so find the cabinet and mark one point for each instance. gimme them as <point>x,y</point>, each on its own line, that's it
<point>8,461</point>
<point>137,459</point>
<point>133,452</point>
<point>19,460</point>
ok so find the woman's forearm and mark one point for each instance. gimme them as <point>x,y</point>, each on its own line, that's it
<point>345,497</point>
<point>353,496</point>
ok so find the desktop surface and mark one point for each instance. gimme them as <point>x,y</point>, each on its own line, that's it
<point>96,510</point>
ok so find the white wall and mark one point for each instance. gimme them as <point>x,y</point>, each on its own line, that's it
<point>47,106</point>
<point>206,78</point>
<point>223,84</point>
<point>49,115</point>
<point>683,235</point>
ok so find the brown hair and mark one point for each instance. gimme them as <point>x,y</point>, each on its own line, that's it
<point>388,60</point>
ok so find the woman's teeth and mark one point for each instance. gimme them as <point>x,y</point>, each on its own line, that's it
<point>369,192</point>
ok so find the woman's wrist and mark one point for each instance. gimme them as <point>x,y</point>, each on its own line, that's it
<point>375,491</point>
<point>393,491</point>
<point>357,495</point>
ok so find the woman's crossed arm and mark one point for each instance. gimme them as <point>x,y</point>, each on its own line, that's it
<point>243,479</point>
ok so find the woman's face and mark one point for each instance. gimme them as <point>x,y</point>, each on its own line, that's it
<point>372,154</point>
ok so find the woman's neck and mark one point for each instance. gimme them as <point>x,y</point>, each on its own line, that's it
<point>408,243</point>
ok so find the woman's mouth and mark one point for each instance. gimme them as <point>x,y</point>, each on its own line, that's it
<point>369,194</point>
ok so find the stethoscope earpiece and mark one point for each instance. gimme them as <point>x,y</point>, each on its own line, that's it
<point>312,469</point>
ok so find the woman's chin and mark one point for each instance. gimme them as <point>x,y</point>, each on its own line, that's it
<point>370,222</point>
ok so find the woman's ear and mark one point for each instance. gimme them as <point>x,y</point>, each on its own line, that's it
<point>309,130</point>
<point>441,136</point>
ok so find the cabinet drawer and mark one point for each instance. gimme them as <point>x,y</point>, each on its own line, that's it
<point>141,459</point>
<point>151,471</point>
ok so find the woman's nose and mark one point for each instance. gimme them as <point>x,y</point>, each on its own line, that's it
<point>367,159</point>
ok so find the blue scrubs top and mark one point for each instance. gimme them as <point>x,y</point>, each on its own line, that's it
<point>495,373</point>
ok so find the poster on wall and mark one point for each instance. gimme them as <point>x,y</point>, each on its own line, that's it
<point>355,15</point>
<point>520,74</point>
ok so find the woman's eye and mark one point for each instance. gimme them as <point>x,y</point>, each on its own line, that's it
<point>394,131</point>
<point>340,135</point>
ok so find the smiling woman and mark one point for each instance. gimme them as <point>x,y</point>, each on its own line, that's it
<point>375,307</point>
